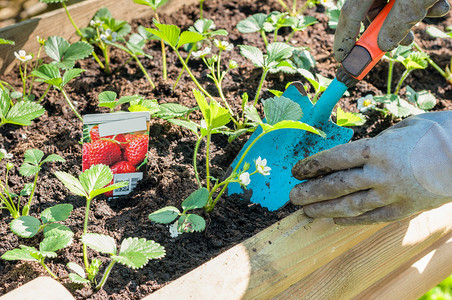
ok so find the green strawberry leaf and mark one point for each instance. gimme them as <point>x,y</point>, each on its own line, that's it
<point>107,99</point>
<point>59,212</point>
<point>96,177</point>
<point>168,33</point>
<point>71,74</point>
<point>23,112</point>
<point>108,188</point>
<point>135,253</point>
<point>277,109</point>
<point>154,4</point>
<point>53,158</point>
<point>190,125</point>
<point>5,103</point>
<point>33,156</point>
<point>55,242</point>
<point>288,124</point>
<point>56,229</point>
<point>72,183</point>
<point>55,46</point>
<point>164,215</point>
<point>6,42</point>
<point>28,170</point>
<point>254,54</point>
<point>100,242</point>
<point>25,226</point>
<point>252,24</point>
<point>191,223</point>
<point>77,269</point>
<point>197,199</point>
<point>348,118</point>
<point>75,278</point>
<point>19,254</point>
<point>171,110</point>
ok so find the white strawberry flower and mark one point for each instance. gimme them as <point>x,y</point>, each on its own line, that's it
<point>22,56</point>
<point>109,36</point>
<point>366,103</point>
<point>261,166</point>
<point>96,23</point>
<point>245,178</point>
<point>201,53</point>
<point>223,45</point>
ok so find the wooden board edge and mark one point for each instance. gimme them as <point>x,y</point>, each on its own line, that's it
<point>41,288</point>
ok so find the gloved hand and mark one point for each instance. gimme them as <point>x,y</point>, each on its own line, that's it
<point>396,29</point>
<point>404,170</point>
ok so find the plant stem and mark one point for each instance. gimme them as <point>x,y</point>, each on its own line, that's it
<point>201,2</point>
<point>264,37</point>
<point>47,269</point>
<point>81,35</point>
<point>85,231</point>
<point>390,69</point>
<point>165,76</point>
<point>183,68</point>
<point>192,76</point>
<point>275,36</point>
<point>208,161</point>
<point>294,6</point>
<point>434,65</point>
<point>70,104</point>
<point>26,208</point>
<point>105,276</point>
<point>284,5</point>
<point>45,93</point>
<point>195,165</point>
<point>290,36</point>
<point>24,79</point>
<point>261,83</point>
<point>144,71</point>
<point>106,52</point>
<point>402,79</point>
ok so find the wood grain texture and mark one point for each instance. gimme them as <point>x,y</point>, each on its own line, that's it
<point>269,262</point>
<point>373,259</point>
<point>57,23</point>
<point>41,288</point>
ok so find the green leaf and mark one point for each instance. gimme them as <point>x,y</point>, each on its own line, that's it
<point>100,242</point>
<point>188,37</point>
<point>437,33</point>
<point>72,183</point>
<point>59,212</point>
<point>426,100</point>
<point>96,177</point>
<point>191,223</point>
<point>78,50</point>
<point>303,59</point>
<point>411,94</point>
<point>402,108</point>
<point>252,24</point>
<point>54,243</point>
<point>6,42</point>
<point>108,188</point>
<point>333,15</point>
<point>416,60</point>
<point>254,54</point>
<point>219,115</point>
<point>107,99</point>
<point>135,253</point>
<point>252,114</point>
<point>23,112</point>
<point>203,105</point>
<point>53,158</point>
<point>71,74</point>
<point>28,170</point>
<point>56,229</point>
<point>171,110</point>
<point>288,124</point>
<point>186,124</point>
<point>75,278</point>
<point>47,72</point>
<point>26,191</point>
<point>277,109</point>
<point>5,103</point>
<point>77,269</point>
<point>348,118</point>
<point>164,215</point>
<point>154,4</point>
<point>277,52</point>
<point>25,226</point>
<point>55,46</point>
<point>168,33</point>
<point>18,254</point>
<point>33,156</point>
<point>303,22</point>
<point>197,199</point>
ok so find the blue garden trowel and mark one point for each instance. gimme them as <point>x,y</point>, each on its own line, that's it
<point>283,148</point>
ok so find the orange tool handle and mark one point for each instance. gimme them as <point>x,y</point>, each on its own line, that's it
<point>366,53</point>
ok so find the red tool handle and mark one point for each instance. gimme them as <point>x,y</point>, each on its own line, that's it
<point>366,53</point>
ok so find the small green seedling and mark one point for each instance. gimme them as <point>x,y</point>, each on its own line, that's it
<point>437,33</point>
<point>294,10</point>
<point>47,248</point>
<point>277,56</point>
<point>109,99</point>
<point>28,226</point>
<point>155,4</point>
<point>31,166</point>
<point>134,253</point>
<point>254,23</point>
<point>51,75</point>
<point>91,183</point>
<point>20,113</point>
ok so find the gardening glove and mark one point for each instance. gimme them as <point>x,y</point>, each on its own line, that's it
<point>404,170</point>
<point>396,28</point>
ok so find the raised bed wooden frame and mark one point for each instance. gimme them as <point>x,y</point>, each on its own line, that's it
<point>296,258</point>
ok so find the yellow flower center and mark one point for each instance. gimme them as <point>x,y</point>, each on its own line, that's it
<point>367,102</point>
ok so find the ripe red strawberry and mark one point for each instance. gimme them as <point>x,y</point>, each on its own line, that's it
<point>136,150</point>
<point>85,156</point>
<point>94,134</point>
<point>120,168</point>
<point>103,152</point>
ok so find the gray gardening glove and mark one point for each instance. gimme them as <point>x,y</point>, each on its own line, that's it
<point>396,29</point>
<point>404,170</point>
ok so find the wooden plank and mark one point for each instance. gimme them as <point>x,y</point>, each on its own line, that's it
<point>41,288</point>
<point>269,262</point>
<point>57,23</point>
<point>371,260</point>
<point>415,279</point>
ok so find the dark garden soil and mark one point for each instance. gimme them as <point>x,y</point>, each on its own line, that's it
<point>170,177</point>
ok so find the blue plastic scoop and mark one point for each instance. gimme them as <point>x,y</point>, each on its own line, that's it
<point>283,148</point>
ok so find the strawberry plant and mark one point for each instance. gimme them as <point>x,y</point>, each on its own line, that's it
<point>31,166</point>
<point>294,10</point>
<point>20,113</point>
<point>280,113</point>
<point>437,33</point>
